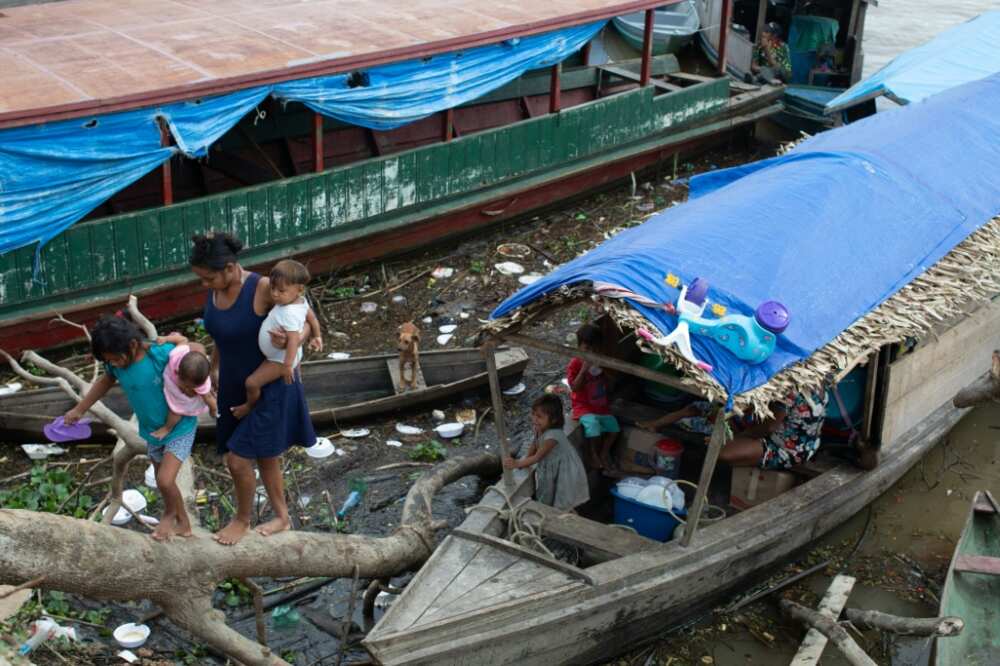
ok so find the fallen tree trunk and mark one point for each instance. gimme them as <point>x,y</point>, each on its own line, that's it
<point>103,562</point>
<point>985,389</point>
<point>829,628</point>
<point>905,626</point>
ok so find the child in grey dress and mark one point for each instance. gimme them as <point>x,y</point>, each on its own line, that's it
<point>560,479</point>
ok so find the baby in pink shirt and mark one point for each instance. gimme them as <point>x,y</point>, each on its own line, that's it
<point>187,384</point>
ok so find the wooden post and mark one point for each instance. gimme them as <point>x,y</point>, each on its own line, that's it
<point>585,54</point>
<point>647,48</point>
<point>727,13</point>
<point>715,445</point>
<point>555,88</point>
<point>449,125</point>
<point>317,142</point>
<point>489,352</point>
<point>167,176</point>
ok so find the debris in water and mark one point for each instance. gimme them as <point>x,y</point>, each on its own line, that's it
<point>355,433</point>
<point>427,320</point>
<point>444,339</point>
<point>404,429</point>
<point>42,451</point>
<point>514,250</point>
<point>530,278</point>
<point>645,207</point>
<point>338,356</point>
<point>399,299</point>
<point>442,272</point>
<point>466,416</point>
<point>11,387</point>
<point>509,268</point>
<point>437,415</point>
<point>516,389</point>
<point>395,443</point>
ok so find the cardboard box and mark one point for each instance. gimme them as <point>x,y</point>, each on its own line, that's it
<point>752,485</point>
<point>635,449</point>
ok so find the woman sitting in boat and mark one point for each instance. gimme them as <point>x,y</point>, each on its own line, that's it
<point>789,438</point>
<point>771,61</point>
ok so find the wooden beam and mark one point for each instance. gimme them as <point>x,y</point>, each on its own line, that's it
<point>317,141</point>
<point>725,19</point>
<point>526,108</point>
<point>585,54</point>
<point>632,76</point>
<point>602,360</point>
<point>830,606</point>
<point>761,20</point>
<point>489,352</point>
<point>715,445</point>
<point>524,553</point>
<point>647,46</point>
<point>448,129</point>
<point>978,564</point>
<point>167,178</point>
<point>555,88</point>
<point>600,541</point>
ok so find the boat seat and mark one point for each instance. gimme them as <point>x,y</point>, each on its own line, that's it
<point>632,76</point>
<point>978,564</point>
<point>603,542</point>
<point>393,365</point>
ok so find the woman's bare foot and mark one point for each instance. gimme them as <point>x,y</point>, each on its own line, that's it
<point>239,411</point>
<point>231,534</point>
<point>274,526</point>
<point>166,529</point>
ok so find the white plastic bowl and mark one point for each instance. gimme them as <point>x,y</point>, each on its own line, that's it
<point>404,429</point>
<point>356,433</point>
<point>121,517</point>
<point>131,635</point>
<point>449,430</point>
<point>323,448</point>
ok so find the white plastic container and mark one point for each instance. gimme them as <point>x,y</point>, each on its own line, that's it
<point>450,430</point>
<point>131,635</point>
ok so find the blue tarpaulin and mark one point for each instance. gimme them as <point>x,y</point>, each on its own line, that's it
<point>831,229</point>
<point>52,175</point>
<point>401,93</point>
<point>967,52</point>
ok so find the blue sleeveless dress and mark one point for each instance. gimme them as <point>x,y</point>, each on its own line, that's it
<point>281,416</point>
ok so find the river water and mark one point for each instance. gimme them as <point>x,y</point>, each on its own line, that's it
<point>897,25</point>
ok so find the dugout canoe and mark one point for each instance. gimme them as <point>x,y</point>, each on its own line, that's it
<point>972,590</point>
<point>338,392</point>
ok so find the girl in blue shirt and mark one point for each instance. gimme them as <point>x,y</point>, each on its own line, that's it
<point>137,365</point>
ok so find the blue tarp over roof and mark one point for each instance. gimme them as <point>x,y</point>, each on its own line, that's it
<point>967,52</point>
<point>53,174</point>
<point>830,229</point>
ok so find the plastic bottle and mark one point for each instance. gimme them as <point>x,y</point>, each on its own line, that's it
<point>358,488</point>
<point>41,631</point>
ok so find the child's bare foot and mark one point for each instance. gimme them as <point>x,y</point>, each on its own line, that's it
<point>166,529</point>
<point>239,411</point>
<point>274,526</point>
<point>160,433</point>
<point>231,534</point>
<point>183,528</point>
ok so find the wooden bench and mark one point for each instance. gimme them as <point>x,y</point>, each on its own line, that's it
<point>602,542</point>
<point>397,381</point>
<point>979,564</point>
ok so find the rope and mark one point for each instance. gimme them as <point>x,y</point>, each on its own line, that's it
<point>706,518</point>
<point>519,530</point>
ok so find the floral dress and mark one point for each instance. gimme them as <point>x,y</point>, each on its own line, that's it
<point>797,439</point>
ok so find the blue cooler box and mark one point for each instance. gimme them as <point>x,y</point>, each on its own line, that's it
<point>649,521</point>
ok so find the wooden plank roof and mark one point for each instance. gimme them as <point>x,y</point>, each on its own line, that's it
<point>80,57</point>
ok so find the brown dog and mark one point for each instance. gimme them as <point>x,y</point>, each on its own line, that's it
<point>409,353</point>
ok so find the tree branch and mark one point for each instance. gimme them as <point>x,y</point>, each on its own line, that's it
<point>983,390</point>
<point>906,626</point>
<point>140,319</point>
<point>93,560</point>
<point>836,633</point>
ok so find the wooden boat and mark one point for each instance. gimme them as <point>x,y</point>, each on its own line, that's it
<point>673,27</point>
<point>293,183</point>
<point>483,598</point>
<point>338,391</point>
<point>972,590</point>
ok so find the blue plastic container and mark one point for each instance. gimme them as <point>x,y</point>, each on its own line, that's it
<point>649,521</point>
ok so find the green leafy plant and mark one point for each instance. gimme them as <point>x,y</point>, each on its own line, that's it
<point>428,451</point>
<point>344,292</point>
<point>237,594</point>
<point>477,266</point>
<point>57,603</point>
<point>46,490</point>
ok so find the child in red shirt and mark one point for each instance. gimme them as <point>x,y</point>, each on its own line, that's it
<point>590,400</point>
